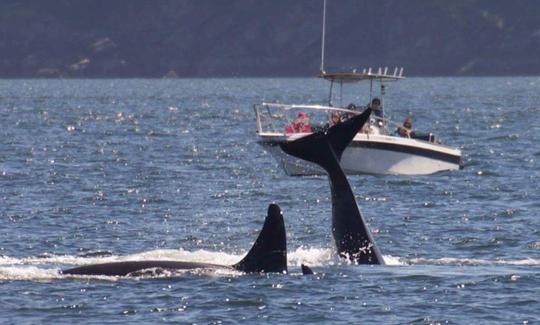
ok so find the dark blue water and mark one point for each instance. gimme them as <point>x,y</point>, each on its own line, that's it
<point>99,170</point>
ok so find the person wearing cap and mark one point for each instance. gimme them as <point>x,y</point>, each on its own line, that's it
<point>300,124</point>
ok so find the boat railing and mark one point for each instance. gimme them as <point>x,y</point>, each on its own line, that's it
<point>274,117</point>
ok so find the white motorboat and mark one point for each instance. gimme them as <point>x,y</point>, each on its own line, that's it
<point>375,150</point>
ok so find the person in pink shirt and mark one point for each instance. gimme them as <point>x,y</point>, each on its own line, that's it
<point>300,124</point>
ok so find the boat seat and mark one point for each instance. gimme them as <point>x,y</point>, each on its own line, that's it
<point>429,137</point>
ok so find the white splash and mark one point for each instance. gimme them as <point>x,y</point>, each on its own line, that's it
<point>201,256</point>
<point>31,273</point>
<point>393,260</point>
<point>312,256</point>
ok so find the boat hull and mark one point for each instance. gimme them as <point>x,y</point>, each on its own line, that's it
<point>386,155</point>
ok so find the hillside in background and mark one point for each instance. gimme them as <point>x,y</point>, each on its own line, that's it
<point>136,38</point>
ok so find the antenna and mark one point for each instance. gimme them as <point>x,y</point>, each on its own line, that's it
<point>323,35</point>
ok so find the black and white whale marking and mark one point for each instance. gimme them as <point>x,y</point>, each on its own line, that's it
<point>324,148</point>
<point>268,254</point>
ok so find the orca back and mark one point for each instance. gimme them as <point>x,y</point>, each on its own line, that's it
<point>268,254</point>
<point>125,268</point>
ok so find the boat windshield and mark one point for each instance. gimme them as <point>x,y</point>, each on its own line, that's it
<point>285,119</point>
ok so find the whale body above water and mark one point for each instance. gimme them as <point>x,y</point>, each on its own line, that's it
<point>268,254</point>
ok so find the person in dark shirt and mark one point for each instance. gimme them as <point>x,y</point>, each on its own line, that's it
<point>377,108</point>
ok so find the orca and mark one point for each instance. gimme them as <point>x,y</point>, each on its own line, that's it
<point>268,254</point>
<point>325,148</point>
<point>306,270</point>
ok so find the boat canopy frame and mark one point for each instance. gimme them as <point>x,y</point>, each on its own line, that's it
<point>354,76</point>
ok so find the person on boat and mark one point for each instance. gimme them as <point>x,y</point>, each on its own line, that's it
<point>345,116</point>
<point>378,116</point>
<point>335,118</point>
<point>300,124</point>
<point>377,108</point>
<point>406,130</point>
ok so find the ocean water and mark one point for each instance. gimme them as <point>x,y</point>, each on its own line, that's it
<point>100,170</point>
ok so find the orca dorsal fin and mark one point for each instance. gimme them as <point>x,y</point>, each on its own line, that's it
<point>269,252</point>
<point>326,147</point>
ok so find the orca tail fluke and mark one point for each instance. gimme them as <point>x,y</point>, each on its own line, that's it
<point>332,141</point>
<point>269,253</point>
<point>351,233</point>
<point>342,134</point>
